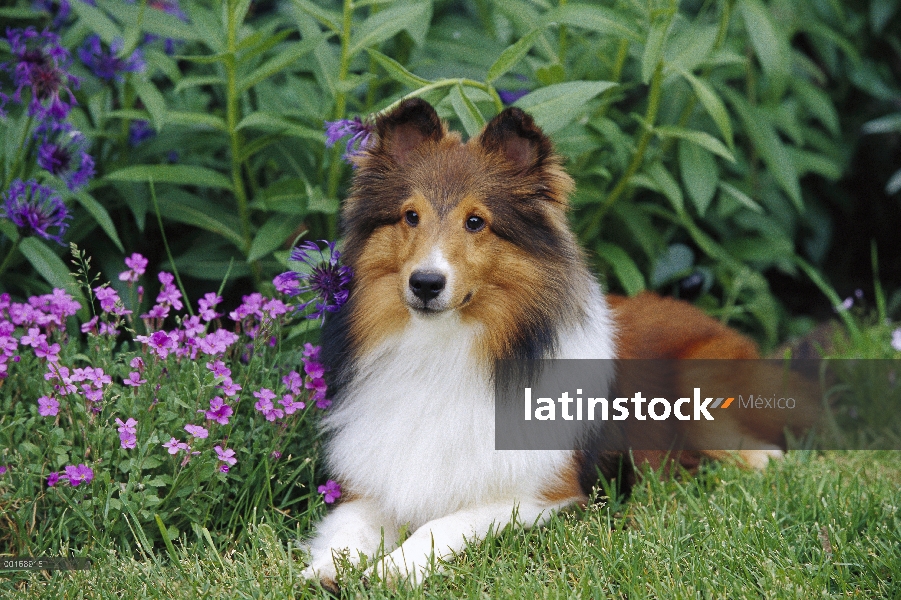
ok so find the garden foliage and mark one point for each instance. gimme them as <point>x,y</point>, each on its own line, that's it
<point>699,134</point>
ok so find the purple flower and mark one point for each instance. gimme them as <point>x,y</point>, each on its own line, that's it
<point>139,131</point>
<point>78,475</point>
<point>197,431</point>
<point>134,379</point>
<point>219,411</point>
<point>207,304</point>
<point>2,469</point>
<point>52,479</point>
<point>57,9</point>
<point>63,153</point>
<point>226,456</point>
<point>896,339</point>
<point>320,274</point>
<point>219,369</point>
<point>105,64</point>
<point>127,433</point>
<point>48,407</point>
<point>331,490</point>
<point>34,209</point>
<point>510,96</point>
<point>40,66</point>
<point>137,265</point>
<point>291,406</point>
<point>265,406</point>
<point>173,446</point>
<point>360,135</point>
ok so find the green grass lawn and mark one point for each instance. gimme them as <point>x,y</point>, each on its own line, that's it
<point>816,525</point>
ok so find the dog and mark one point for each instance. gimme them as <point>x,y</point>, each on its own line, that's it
<point>462,255</point>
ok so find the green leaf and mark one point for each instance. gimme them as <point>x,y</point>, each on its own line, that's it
<point>273,234</point>
<point>197,80</point>
<point>285,58</point>
<point>741,197</point>
<point>50,266</point>
<point>101,216</point>
<point>153,101</point>
<point>157,22</point>
<point>198,120</point>
<point>396,71</point>
<point>287,196</point>
<point>668,185</point>
<point>512,55</point>
<point>469,114</point>
<point>767,143</point>
<point>770,45</point>
<point>676,262</point>
<point>653,48</point>
<point>887,124</point>
<point>555,106</point>
<point>178,174</point>
<point>701,138</point>
<point>203,59</point>
<point>712,104</point>
<point>329,18</point>
<point>97,21</point>
<point>386,24</point>
<point>276,123</point>
<point>602,19</point>
<point>178,205</point>
<point>625,269</point>
<point>699,174</point>
<point>689,47</point>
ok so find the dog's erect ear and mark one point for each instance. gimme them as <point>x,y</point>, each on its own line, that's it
<point>515,135</point>
<point>402,130</point>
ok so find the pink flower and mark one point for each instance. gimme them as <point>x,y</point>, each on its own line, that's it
<point>293,381</point>
<point>33,338</point>
<point>137,265</point>
<point>48,407</point>
<point>227,455</point>
<point>230,388</point>
<point>219,411</point>
<point>331,490</point>
<point>197,431</point>
<point>134,379</point>
<point>52,479</point>
<point>78,475</point>
<point>219,369</point>
<point>174,446</point>
<point>265,406</point>
<point>290,405</point>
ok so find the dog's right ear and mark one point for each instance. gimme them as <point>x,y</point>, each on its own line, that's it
<point>402,130</point>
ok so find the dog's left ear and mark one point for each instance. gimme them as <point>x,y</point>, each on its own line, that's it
<point>514,135</point>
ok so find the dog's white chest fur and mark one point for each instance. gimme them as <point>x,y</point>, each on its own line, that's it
<point>414,430</point>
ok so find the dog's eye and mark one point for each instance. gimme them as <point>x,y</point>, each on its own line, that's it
<point>474,223</point>
<point>412,218</point>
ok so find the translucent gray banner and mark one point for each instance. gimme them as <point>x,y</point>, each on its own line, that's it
<point>703,405</point>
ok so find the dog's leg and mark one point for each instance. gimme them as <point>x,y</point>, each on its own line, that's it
<point>443,537</point>
<point>355,527</point>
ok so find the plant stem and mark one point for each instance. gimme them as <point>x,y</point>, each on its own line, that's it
<point>640,150</point>
<point>335,168</point>
<point>9,256</point>
<point>232,116</point>
<point>159,219</point>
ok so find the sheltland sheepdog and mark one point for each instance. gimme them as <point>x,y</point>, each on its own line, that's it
<point>462,255</point>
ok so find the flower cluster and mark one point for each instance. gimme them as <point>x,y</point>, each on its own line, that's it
<point>106,64</point>
<point>35,210</point>
<point>318,273</point>
<point>63,153</point>
<point>75,475</point>
<point>40,68</point>
<point>360,135</point>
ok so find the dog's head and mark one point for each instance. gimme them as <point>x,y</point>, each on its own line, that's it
<point>437,227</point>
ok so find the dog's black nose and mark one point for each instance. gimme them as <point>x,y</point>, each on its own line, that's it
<point>426,285</point>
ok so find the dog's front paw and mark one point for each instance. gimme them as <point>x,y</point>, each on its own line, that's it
<point>759,459</point>
<point>325,572</point>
